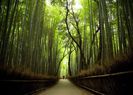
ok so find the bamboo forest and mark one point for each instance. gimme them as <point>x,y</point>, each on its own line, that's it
<point>67,39</point>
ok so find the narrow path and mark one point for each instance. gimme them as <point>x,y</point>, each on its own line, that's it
<point>64,87</point>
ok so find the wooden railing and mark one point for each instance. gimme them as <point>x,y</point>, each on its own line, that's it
<point>24,87</point>
<point>109,84</point>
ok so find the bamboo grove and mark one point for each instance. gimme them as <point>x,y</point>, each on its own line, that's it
<point>36,35</point>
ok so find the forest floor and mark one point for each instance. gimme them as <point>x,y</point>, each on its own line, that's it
<point>64,87</point>
<point>121,63</point>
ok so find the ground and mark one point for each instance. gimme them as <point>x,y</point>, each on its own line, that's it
<point>64,87</point>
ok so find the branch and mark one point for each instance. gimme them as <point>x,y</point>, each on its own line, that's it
<point>94,35</point>
<point>74,46</point>
<point>62,59</point>
<point>77,23</point>
<point>77,29</point>
<point>66,21</point>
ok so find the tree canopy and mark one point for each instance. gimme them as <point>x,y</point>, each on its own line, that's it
<point>37,35</point>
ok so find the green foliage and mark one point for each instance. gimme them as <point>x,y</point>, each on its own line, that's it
<point>39,34</point>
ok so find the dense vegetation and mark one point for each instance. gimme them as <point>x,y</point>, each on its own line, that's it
<point>36,35</point>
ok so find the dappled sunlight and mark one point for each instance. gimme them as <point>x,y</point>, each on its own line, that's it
<point>77,6</point>
<point>48,2</point>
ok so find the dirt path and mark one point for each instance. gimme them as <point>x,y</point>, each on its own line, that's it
<point>64,87</point>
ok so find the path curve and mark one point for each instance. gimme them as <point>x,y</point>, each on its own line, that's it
<point>64,87</point>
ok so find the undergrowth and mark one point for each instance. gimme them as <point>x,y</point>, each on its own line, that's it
<point>8,73</point>
<point>121,63</point>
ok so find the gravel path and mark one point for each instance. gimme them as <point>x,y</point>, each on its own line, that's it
<point>64,87</point>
